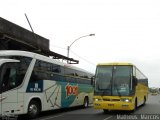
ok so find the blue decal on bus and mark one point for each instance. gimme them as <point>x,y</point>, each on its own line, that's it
<point>67,98</point>
<point>36,86</point>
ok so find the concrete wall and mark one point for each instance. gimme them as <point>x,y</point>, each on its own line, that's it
<point>24,36</point>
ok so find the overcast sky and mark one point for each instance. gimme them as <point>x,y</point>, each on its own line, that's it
<point>125,30</point>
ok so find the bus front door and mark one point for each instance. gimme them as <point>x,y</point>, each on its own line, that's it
<point>8,98</point>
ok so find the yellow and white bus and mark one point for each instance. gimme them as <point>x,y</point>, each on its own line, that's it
<point>31,83</point>
<point>119,86</point>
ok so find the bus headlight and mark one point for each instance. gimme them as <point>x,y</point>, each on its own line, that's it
<point>97,99</point>
<point>125,100</point>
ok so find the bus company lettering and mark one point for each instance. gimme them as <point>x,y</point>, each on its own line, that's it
<point>36,88</point>
<point>71,90</point>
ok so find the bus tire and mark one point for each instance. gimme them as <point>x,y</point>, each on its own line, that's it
<point>86,102</point>
<point>105,111</point>
<point>33,109</point>
<point>144,101</point>
<point>135,106</point>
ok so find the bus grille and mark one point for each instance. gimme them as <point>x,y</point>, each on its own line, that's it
<point>107,99</point>
<point>115,99</point>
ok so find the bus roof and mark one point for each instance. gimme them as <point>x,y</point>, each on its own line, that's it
<point>16,53</point>
<point>115,63</point>
<point>39,57</point>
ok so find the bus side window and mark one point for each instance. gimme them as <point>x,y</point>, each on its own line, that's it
<point>34,76</point>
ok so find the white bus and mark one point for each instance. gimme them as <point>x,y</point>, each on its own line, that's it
<point>31,83</point>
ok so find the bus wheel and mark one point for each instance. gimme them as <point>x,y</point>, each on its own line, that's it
<point>86,102</point>
<point>33,109</point>
<point>135,106</point>
<point>144,101</point>
<point>105,111</point>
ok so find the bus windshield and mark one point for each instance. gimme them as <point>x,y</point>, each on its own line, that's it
<point>103,79</point>
<point>12,71</point>
<point>113,80</point>
<point>121,80</point>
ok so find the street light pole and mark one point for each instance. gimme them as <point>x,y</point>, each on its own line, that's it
<point>68,47</point>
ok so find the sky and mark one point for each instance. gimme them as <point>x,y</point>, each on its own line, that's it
<point>125,30</point>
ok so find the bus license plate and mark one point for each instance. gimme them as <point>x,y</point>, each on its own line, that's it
<point>110,104</point>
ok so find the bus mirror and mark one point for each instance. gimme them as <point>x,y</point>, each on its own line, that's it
<point>135,81</point>
<point>92,81</point>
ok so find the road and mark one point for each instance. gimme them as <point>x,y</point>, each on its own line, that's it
<point>150,111</point>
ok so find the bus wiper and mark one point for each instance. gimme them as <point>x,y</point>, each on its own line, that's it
<point>119,94</point>
<point>103,93</point>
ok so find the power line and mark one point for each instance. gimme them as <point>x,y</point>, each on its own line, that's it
<point>59,47</point>
<point>74,54</point>
<point>83,58</point>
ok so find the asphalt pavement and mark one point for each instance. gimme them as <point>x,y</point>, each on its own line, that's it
<point>151,111</point>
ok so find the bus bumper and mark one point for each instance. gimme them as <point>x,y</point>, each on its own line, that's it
<point>106,105</point>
